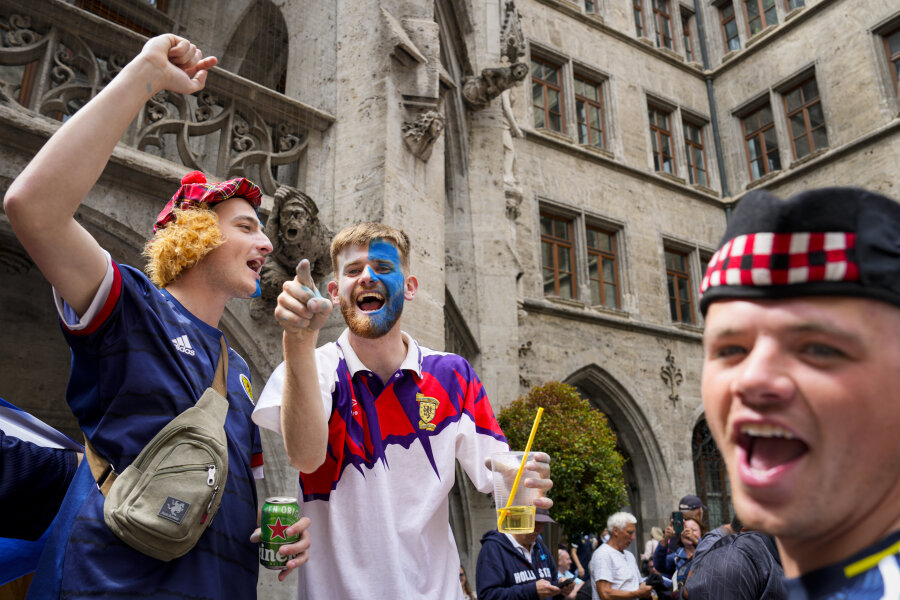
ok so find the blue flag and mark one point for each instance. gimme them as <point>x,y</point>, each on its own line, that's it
<point>20,557</point>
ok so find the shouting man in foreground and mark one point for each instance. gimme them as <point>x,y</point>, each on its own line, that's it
<point>801,383</point>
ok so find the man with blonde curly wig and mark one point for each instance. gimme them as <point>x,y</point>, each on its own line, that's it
<point>144,349</point>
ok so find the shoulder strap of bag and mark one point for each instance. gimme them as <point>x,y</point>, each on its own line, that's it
<point>101,469</point>
<point>220,380</point>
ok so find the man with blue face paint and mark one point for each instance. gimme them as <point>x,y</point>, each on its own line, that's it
<point>382,305</point>
<point>375,479</point>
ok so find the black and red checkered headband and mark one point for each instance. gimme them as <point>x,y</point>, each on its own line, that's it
<point>838,241</point>
<point>760,259</point>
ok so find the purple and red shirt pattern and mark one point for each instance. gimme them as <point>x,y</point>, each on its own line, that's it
<point>381,501</point>
<point>367,416</point>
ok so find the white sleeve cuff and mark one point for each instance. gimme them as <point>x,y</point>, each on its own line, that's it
<point>68,315</point>
<point>267,413</point>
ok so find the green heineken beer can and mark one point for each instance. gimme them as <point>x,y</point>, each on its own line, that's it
<point>277,515</point>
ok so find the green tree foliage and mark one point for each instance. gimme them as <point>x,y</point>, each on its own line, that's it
<point>588,484</point>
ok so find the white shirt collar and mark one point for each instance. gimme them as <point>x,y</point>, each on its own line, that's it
<point>412,362</point>
<point>526,552</point>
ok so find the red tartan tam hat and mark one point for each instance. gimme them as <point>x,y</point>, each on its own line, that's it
<point>838,241</point>
<point>195,190</point>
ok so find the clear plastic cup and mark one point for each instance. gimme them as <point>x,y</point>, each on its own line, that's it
<point>519,516</point>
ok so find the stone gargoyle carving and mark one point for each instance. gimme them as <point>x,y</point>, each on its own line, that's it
<point>421,134</point>
<point>479,91</point>
<point>296,233</point>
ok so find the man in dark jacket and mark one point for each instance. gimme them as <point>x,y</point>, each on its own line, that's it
<point>518,566</point>
<point>741,566</point>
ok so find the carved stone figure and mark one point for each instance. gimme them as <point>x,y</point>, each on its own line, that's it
<point>296,233</point>
<point>421,134</point>
<point>512,39</point>
<point>510,130</point>
<point>479,91</point>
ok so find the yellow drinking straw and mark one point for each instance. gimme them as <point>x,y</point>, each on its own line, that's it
<point>515,486</point>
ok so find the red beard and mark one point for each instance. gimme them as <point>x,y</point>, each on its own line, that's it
<point>362,325</point>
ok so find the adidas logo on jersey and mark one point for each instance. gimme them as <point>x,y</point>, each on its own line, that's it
<point>183,344</point>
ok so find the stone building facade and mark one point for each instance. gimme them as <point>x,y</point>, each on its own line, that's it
<point>560,212</point>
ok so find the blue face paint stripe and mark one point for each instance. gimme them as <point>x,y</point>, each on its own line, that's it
<point>385,253</point>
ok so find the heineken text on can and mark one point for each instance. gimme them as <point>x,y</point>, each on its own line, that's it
<point>277,515</point>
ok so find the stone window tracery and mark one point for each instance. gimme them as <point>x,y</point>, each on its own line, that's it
<point>711,477</point>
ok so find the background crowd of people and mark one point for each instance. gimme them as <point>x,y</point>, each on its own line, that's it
<point>684,559</point>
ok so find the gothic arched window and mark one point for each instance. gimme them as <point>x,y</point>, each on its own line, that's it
<point>711,477</point>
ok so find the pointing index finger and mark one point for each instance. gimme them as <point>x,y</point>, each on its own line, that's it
<point>305,278</point>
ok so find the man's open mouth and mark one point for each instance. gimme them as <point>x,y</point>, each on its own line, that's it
<point>256,264</point>
<point>767,446</point>
<point>369,301</point>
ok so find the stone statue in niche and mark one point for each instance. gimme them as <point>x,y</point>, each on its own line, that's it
<point>479,91</point>
<point>510,130</point>
<point>421,134</point>
<point>296,233</point>
<point>512,49</point>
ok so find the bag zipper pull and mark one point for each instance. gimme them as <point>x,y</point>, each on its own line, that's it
<point>209,506</point>
<point>211,475</point>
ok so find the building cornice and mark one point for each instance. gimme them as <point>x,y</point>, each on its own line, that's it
<point>671,183</point>
<point>828,156</point>
<point>642,44</point>
<point>683,333</point>
<point>766,37</point>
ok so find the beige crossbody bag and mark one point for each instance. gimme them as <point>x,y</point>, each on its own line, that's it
<point>162,503</point>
